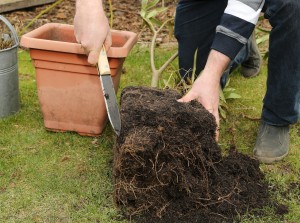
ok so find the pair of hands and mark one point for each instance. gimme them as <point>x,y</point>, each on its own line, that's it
<point>92,31</point>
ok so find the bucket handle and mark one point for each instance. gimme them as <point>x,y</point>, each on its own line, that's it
<point>12,29</point>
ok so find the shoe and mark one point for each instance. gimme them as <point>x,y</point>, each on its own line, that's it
<point>252,66</point>
<point>272,143</point>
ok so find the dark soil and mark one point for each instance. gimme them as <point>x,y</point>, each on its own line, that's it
<point>169,168</point>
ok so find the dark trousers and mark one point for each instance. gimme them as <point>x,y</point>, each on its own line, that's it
<point>282,100</point>
<point>195,25</point>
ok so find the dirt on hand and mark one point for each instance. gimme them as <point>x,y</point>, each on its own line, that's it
<point>169,168</point>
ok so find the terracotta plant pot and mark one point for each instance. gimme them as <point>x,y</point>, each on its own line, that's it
<point>69,89</point>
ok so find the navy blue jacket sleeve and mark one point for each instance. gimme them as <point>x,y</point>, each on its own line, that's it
<point>237,25</point>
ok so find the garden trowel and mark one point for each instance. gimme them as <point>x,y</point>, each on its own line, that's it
<point>109,93</point>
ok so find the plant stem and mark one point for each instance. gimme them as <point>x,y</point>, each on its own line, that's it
<point>156,73</point>
<point>170,60</point>
<point>111,13</point>
<point>152,51</point>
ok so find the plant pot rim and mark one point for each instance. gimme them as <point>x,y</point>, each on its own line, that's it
<point>33,40</point>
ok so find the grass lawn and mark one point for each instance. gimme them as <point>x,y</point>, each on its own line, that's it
<point>65,177</point>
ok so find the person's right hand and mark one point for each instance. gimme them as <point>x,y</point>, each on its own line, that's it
<point>91,28</point>
<point>206,89</point>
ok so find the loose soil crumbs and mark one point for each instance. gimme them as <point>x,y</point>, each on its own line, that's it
<point>169,168</point>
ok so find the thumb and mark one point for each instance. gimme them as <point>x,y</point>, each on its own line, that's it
<point>107,43</point>
<point>186,98</point>
<point>181,100</point>
<point>93,57</point>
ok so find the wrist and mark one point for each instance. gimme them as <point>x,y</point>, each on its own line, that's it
<point>90,4</point>
<point>216,64</point>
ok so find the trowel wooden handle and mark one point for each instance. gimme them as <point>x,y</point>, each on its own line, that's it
<point>103,64</point>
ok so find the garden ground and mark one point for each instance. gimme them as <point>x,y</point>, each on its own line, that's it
<point>64,177</point>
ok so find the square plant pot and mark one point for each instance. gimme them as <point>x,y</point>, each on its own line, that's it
<point>69,89</point>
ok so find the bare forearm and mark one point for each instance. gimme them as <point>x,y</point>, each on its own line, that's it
<point>89,4</point>
<point>216,64</point>
<point>93,3</point>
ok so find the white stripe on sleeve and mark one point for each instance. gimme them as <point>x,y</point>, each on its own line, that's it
<point>243,11</point>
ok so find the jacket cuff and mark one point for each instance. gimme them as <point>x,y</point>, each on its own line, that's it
<point>226,45</point>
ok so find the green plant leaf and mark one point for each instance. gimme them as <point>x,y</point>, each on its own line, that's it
<point>222,97</point>
<point>144,4</point>
<point>155,12</point>
<point>233,96</point>
<point>194,66</point>
<point>227,84</point>
<point>262,39</point>
<point>143,13</point>
<point>228,89</point>
<point>261,30</point>
<point>222,112</point>
<point>156,21</point>
<point>151,4</point>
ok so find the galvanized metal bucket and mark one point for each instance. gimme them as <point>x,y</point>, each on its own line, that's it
<point>9,79</point>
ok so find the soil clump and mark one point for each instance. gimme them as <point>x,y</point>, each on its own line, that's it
<point>169,168</point>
